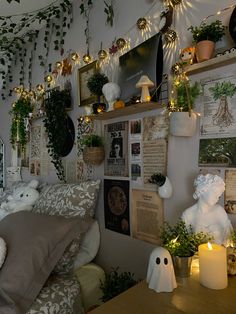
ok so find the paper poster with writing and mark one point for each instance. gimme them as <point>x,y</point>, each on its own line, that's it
<point>218,110</point>
<point>116,149</point>
<point>147,215</point>
<point>230,191</point>
<point>116,205</point>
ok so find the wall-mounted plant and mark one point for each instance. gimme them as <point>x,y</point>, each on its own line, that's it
<point>20,111</point>
<point>56,126</point>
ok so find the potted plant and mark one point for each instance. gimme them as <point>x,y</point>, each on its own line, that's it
<point>163,183</point>
<point>182,243</point>
<point>95,84</point>
<point>20,113</point>
<point>93,152</point>
<point>205,36</point>
<point>183,120</point>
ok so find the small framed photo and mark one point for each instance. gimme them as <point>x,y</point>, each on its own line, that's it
<point>85,96</point>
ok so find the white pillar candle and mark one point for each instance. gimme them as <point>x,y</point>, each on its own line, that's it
<point>213,266</point>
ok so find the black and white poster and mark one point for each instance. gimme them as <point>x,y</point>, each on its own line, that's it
<point>116,142</point>
<point>116,206</point>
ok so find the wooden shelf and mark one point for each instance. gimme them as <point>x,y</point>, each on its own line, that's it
<point>212,63</point>
<point>128,110</point>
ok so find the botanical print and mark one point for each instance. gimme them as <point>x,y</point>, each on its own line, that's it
<point>35,139</point>
<point>217,152</point>
<point>230,191</point>
<point>135,128</point>
<point>84,127</point>
<point>156,127</point>
<point>218,111</point>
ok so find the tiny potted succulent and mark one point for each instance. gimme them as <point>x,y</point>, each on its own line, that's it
<point>93,152</point>
<point>205,36</point>
<point>163,183</point>
<point>182,243</point>
<point>95,84</point>
<point>183,120</point>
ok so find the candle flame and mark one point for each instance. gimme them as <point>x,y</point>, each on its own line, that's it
<point>209,246</point>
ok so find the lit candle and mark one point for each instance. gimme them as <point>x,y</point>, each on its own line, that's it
<point>213,266</point>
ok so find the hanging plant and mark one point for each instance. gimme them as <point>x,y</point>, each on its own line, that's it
<point>56,127</point>
<point>20,112</point>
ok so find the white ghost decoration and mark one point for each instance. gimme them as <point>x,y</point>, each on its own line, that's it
<point>160,274</point>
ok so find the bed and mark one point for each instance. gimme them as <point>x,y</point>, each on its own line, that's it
<point>48,267</point>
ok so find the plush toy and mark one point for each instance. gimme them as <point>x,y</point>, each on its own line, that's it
<point>23,198</point>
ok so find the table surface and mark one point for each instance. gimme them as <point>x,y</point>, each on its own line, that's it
<point>189,297</point>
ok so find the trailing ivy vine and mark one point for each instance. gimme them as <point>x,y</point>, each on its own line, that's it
<point>56,127</point>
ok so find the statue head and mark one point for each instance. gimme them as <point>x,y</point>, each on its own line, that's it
<point>210,187</point>
<point>111,91</point>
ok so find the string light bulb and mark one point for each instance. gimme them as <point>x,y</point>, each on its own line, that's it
<point>58,65</point>
<point>121,43</point>
<point>74,56</point>
<point>39,87</point>
<point>175,2</point>
<point>48,78</point>
<point>87,58</point>
<point>141,23</point>
<point>170,36</point>
<point>102,54</point>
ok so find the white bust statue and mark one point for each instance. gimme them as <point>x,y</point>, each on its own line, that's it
<point>112,92</point>
<point>206,215</point>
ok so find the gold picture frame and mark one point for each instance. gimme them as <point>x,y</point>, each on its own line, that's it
<point>84,73</point>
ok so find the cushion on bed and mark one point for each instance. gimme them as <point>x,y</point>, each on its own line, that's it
<point>69,200</point>
<point>35,244</point>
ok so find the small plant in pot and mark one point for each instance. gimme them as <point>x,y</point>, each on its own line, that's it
<point>163,183</point>
<point>182,119</point>
<point>182,243</point>
<point>95,84</point>
<point>205,36</point>
<point>93,152</point>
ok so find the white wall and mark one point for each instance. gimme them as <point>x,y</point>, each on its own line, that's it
<point>116,249</point>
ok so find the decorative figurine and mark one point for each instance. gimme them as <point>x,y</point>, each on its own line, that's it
<point>144,83</point>
<point>112,92</point>
<point>206,215</point>
<point>160,274</point>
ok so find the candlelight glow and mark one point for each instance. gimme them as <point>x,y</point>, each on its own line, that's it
<point>209,246</point>
<point>175,240</point>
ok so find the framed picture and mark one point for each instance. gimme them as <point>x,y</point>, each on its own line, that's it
<point>85,96</point>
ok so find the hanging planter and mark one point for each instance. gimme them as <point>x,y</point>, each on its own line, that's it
<point>93,152</point>
<point>183,123</point>
<point>164,185</point>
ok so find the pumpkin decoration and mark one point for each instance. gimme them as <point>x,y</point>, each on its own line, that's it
<point>119,104</point>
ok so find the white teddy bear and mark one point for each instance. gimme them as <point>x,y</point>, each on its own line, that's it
<point>23,198</point>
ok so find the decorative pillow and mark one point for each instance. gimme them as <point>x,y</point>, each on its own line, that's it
<point>3,251</point>
<point>69,200</point>
<point>35,244</point>
<point>89,246</point>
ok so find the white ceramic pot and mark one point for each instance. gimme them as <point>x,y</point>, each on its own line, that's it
<point>181,124</point>
<point>165,191</point>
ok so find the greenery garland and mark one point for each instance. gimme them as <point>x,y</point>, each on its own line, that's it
<point>56,126</point>
<point>20,111</point>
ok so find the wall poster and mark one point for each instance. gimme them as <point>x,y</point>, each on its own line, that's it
<point>116,149</point>
<point>116,206</point>
<point>230,191</point>
<point>147,216</point>
<point>217,152</point>
<point>218,107</point>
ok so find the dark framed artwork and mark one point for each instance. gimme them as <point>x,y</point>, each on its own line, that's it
<point>84,73</point>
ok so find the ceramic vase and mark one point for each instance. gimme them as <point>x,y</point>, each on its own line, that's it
<point>204,50</point>
<point>165,191</point>
<point>183,124</point>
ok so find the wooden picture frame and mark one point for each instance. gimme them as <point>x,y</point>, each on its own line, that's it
<point>84,73</point>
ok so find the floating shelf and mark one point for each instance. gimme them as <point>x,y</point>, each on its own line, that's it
<point>213,63</point>
<point>128,110</point>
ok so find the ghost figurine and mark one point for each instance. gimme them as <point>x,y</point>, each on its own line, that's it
<point>160,274</point>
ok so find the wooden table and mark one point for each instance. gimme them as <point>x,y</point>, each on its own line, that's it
<point>189,297</point>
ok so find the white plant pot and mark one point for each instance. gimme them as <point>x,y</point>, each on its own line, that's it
<point>181,124</point>
<point>165,191</point>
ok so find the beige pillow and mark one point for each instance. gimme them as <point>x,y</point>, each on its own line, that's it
<point>35,244</point>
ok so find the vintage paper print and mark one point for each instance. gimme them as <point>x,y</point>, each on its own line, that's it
<point>71,171</point>
<point>154,158</point>
<point>217,152</point>
<point>135,151</point>
<point>147,216</point>
<point>135,129</point>
<point>85,127</point>
<point>156,127</point>
<point>205,171</point>
<point>116,206</point>
<point>24,156</point>
<point>116,149</point>
<point>86,97</point>
<point>35,140</point>
<point>136,174</point>
<point>80,170</point>
<point>230,191</point>
<point>218,111</point>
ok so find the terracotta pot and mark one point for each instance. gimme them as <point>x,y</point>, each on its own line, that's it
<point>181,124</point>
<point>204,50</point>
